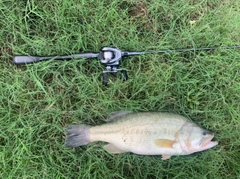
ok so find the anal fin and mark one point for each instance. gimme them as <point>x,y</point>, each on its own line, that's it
<point>113,149</point>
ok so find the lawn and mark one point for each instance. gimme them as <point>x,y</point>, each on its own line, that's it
<point>38,100</point>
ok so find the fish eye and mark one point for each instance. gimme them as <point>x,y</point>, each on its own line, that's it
<point>204,132</point>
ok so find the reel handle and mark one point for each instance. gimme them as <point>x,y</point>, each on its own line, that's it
<point>104,78</point>
<point>125,75</point>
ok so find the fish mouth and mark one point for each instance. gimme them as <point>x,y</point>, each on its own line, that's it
<point>208,143</point>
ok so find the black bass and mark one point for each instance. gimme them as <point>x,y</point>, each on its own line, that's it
<point>144,133</point>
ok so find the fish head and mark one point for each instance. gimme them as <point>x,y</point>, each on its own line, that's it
<point>193,138</point>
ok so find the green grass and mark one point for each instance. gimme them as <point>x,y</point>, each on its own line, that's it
<point>38,100</point>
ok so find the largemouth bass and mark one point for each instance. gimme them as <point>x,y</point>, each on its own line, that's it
<point>144,133</point>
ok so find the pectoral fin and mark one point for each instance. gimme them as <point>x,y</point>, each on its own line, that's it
<point>164,143</point>
<point>113,149</point>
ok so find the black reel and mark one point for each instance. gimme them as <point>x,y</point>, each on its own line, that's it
<point>110,58</point>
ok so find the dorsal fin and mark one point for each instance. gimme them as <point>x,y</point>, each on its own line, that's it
<point>114,116</point>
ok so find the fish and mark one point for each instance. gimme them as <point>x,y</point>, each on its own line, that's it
<point>144,133</point>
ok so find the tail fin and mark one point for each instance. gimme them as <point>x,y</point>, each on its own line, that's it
<point>77,135</point>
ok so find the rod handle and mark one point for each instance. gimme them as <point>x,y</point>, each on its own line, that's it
<point>18,60</point>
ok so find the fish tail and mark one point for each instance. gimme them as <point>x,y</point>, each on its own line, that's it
<point>77,135</point>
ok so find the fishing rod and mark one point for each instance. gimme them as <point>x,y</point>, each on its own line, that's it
<point>110,57</point>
